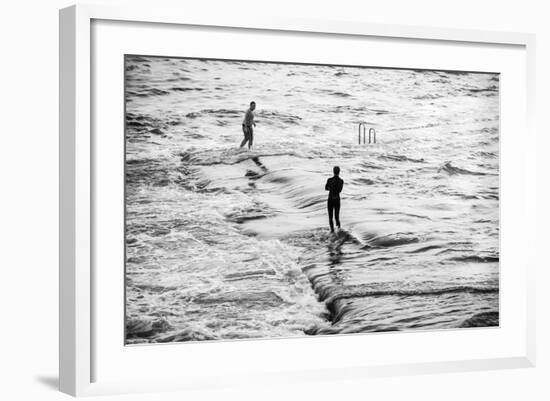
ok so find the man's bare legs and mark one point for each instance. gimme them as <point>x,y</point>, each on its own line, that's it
<point>248,136</point>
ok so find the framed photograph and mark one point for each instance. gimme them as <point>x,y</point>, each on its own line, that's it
<point>278,200</point>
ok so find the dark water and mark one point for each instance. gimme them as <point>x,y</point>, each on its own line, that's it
<point>224,243</point>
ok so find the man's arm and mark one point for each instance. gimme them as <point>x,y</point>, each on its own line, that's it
<point>341,186</point>
<point>326,185</point>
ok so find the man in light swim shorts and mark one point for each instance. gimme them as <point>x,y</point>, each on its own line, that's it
<point>248,122</point>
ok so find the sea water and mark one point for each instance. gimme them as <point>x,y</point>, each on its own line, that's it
<point>227,243</point>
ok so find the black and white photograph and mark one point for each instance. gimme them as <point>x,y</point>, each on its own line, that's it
<point>276,200</point>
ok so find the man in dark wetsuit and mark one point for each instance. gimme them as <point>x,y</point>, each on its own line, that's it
<point>248,122</point>
<point>334,186</point>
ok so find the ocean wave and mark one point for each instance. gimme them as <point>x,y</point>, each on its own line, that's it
<point>317,237</point>
<point>137,59</point>
<point>428,96</point>
<point>278,116</point>
<point>370,165</point>
<point>336,93</point>
<point>458,73</point>
<point>401,158</point>
<point>429,125</point>
<point>264,115</point>
<point>141,122</point>
<point>147,92</point>
<point>347,294</point>
<point>140,328</point>
<point>483,319</point>
<point>488,154</point>
<point>305,202</point>
<point>493,89</point>
<point>252,299</point>
<point>363,181</point>
<point>154,288</point>
<point>475,259</point>
<point>348,109</point>
<point>230,156</point>
<point>188,334</point>
<point>442,80</point>
<point>147,171</point>
<point>378,111</point>
<point>452,170</point>
<point>185,89</point>
<point>392,240</point>
<point>426,248</point>
<point>219,113</point>
<point>255,212</point>
<point>250,274</point>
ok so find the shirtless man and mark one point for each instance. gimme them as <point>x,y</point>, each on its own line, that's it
<point>248,122</point>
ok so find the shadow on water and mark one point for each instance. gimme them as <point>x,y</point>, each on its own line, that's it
<point>335,259</point>
<point>335,253</point>
<point>258,163</point>
<point>331,274</point>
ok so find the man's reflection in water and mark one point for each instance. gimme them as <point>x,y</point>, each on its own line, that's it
<point>258,163</point>
<point>335,256</point>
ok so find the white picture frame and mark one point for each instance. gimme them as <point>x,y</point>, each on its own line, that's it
<point>78,350</point>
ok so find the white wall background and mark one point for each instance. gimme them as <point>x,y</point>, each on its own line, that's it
<point>29,185</point>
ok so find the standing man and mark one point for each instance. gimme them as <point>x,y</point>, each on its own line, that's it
<point>334,186</point>
<point>248,122</point>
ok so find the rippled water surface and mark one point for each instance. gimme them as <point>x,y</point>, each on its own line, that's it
<point>226,243</point>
